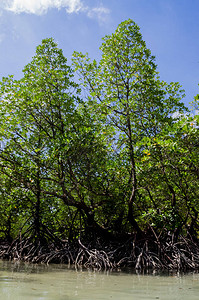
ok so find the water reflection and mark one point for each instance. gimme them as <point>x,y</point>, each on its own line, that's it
<point>58,282</point>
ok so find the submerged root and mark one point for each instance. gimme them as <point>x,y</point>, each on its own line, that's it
<point>30,252</point>
<point>141,254</point>
<point>97,259</point>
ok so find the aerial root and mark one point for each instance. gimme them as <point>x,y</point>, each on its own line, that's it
<point>97,259</point>
<point>182,255</point>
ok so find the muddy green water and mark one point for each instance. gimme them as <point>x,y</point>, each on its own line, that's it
<point>56,282</point>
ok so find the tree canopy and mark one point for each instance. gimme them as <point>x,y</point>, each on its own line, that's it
<point>109,152</point>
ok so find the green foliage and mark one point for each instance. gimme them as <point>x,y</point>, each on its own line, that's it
<point>116,161</point>
<point>126,92</point>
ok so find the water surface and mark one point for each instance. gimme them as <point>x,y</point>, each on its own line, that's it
<point>57,282</point>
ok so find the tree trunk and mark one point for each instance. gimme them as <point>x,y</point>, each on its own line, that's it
<point>133,180</point>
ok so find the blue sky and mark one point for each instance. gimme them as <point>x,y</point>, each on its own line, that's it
<point>169,27</point>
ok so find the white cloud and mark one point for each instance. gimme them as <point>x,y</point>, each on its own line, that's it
<point>41,6</point>
<point>101,13</point>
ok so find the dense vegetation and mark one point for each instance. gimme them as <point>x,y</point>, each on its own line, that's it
<point>99,151</point>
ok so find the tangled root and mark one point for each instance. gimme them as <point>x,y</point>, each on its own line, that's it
<point>182,255</point>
